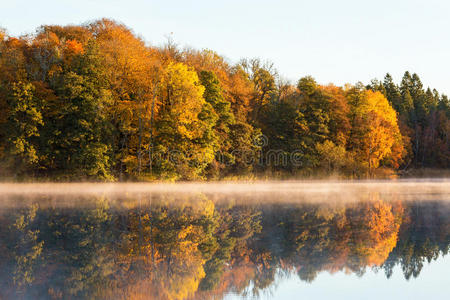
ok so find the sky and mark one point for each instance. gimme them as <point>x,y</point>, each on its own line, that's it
<point>338,42</point>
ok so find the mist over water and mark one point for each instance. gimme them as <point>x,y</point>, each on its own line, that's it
<point>224,240</point>
<point>411,189</point>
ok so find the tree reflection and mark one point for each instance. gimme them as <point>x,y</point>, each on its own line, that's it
<point>167,247</point>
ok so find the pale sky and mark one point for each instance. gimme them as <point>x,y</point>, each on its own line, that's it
<point>334,41</point>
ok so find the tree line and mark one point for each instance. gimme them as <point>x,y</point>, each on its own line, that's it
<point>95,102</point>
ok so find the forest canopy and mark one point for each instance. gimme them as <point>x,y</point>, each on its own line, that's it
<point>95,102</point>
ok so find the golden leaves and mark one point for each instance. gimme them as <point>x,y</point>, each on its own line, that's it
<point>377,122</point>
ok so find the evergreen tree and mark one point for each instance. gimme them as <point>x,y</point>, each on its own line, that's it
<point>394,96</point>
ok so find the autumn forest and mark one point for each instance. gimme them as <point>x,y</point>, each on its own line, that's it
<point>95,102</point>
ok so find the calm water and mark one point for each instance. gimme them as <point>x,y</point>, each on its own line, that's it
<point>226,241</point>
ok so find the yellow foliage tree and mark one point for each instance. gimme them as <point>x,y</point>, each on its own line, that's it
<point>183,123</point>
<point>376,132</point>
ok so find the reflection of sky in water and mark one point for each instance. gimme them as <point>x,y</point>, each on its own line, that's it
<point>433,283</point>
<point>286,241</point>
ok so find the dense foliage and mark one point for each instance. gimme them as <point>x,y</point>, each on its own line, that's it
<point>94,102</point>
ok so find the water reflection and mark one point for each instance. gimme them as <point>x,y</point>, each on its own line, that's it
<point>180,246</point>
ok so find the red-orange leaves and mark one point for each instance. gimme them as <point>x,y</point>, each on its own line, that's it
<point>74,47</point>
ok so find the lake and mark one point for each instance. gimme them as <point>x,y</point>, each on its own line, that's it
<point>260,240</point>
